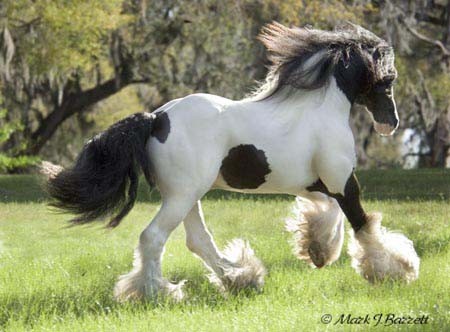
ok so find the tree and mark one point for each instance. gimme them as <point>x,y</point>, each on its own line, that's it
<point>421,33</point>
<point>59,58</point>
<point>51,53</point>
<point>8,162</point>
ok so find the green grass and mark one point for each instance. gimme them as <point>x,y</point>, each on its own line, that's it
<point>54,278</point>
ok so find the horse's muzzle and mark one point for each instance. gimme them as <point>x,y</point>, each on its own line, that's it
<point>385,129</point>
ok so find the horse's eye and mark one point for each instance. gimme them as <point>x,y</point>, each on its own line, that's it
<point>388,81</point>
<point>384,86</point>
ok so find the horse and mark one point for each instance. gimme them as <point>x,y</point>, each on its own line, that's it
<point>290,136</point>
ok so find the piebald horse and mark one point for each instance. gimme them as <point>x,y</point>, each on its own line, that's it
<point>291,136</point>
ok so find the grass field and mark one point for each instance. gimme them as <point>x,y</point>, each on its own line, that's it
<point>54,278</point>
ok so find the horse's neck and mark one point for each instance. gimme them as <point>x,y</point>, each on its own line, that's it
<point>291,105</point>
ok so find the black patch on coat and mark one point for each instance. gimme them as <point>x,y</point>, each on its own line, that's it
<point>103,181</point>
<point>349,202</point>
<point>161,127</point>
<point>245,167</point>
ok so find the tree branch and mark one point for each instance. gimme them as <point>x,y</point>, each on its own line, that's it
<point>73,103</point>
<point>420,36</point>
<point>140,81</point>
<point>430,19</point>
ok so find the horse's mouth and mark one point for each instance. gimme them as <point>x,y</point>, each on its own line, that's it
<point>384,129</point>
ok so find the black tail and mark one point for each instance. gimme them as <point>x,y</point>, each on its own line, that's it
<point>104,180</point>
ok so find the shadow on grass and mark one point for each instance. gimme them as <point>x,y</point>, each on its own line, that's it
<point>394,184</point>
<point>28,308</point>
<point>99,301</point>
<point>70,301</point>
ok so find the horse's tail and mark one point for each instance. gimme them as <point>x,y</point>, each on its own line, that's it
<point>104,180</point>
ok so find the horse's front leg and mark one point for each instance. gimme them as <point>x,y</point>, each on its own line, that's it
<point>376,253</point>
<point>317,223</point>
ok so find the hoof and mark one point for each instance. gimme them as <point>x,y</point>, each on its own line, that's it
<point>318,228</point>
<point>138,285</point>
<point>378,254</point>
<point>134,288</point>
<point>317,254</point>
<point>240,268</point>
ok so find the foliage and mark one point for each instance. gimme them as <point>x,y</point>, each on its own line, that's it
<point>57,37</point>
<point>59,59</point>
<point>440,86</point>
<point>178,47</point>
<point>7,128</point>
<point>49,52</point>
<point>320,14</point>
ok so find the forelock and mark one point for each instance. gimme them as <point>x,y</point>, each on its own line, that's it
<point>384,59</point>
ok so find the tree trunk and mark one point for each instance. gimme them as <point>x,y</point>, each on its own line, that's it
<point>440,141</point>
<point>73,103</point>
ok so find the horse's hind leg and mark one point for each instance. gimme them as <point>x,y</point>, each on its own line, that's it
<point>318,227</point>
<point>145,279</point>
<point>235,268</point>
<point>199,240</point>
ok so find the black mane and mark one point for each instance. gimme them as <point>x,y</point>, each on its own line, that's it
<point>305,58</point>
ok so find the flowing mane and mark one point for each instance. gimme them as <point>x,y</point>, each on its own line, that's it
<point>305,58</point>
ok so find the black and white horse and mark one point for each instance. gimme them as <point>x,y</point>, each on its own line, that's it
<point>292,136</point>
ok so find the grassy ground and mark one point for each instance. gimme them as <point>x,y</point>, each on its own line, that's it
<point>58,278</point>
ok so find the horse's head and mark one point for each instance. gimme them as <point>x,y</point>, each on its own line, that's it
<point>378,95</point>
<point>367,70</point>
<point>361,62</point>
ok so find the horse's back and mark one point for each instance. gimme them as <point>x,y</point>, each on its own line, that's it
<point>194,144</point>
<point>232,145</point>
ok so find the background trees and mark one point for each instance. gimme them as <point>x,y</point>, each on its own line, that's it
<point>421,32</point>
<point>50,60</point>
<point>68,68</point>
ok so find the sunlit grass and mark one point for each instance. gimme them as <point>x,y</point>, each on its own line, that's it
<point>58,278</point>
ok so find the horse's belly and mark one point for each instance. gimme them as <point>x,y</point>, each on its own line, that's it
<point>290,177</point>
